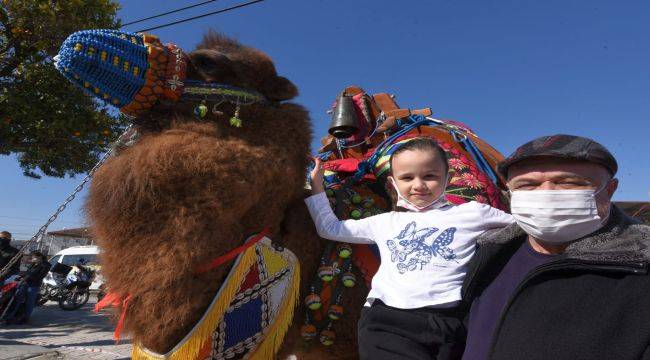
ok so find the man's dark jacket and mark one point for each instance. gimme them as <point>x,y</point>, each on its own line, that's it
<point>592,302</point>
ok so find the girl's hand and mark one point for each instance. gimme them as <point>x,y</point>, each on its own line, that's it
<point>316,177</point>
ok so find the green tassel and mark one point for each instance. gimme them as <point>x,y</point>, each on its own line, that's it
<point>235,121</point>
<point>201,110</point>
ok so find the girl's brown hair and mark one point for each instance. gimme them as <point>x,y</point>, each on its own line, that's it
<point>422,144</point>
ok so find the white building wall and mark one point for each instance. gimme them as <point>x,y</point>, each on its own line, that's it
<point>51,244</point>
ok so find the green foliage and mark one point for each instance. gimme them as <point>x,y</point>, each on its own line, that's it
<point>47,122</point>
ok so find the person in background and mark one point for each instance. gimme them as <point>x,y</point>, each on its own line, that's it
<point>570,279</point>
<point>34,276</point>
<point>7,252</point>
<point>30,284</point>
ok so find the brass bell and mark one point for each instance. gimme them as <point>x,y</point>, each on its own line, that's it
<point>344,120</point>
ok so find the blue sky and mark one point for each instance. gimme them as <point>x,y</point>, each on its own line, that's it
<point>512,70</point>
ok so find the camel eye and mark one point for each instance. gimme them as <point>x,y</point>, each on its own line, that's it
<point>211,62</point>
<point>205,62</point>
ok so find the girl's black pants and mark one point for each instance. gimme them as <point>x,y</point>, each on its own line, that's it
<point>426,333</point>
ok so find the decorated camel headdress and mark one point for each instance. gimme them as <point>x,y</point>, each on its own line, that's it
<point>133,72</point>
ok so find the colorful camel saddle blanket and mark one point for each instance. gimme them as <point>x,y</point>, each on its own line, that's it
<point>250,314</point>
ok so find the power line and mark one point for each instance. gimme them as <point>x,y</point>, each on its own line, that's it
<point>28,218</point>
<point>34,219</point>
<point>168,12</point>
<point>23,227</point>
<point>201,16</point>
<point>19,226</point>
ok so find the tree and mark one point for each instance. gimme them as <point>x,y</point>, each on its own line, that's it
<point>50,124</point>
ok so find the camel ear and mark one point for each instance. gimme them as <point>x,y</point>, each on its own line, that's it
<point>281,89</point>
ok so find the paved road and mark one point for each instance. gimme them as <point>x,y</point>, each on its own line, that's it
<point>79,334</point>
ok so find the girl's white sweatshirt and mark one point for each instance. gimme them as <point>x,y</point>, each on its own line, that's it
<point>424,255</point>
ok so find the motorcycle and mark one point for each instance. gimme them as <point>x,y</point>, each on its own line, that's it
<point>7,294</point>
<point>70,289</point>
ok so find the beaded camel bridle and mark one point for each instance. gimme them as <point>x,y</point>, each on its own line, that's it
<point>134,72</point>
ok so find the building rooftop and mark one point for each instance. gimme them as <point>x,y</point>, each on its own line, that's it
<point>637,209</point>
<point>75,232</point>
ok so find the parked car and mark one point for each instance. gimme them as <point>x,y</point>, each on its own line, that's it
<point>71,257</point>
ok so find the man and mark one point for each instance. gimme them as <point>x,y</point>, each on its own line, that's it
<point>27,294</point>
<point>570,279</point>
<point>7,252</point>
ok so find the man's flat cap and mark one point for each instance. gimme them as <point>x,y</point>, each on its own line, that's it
<point>561,146</point>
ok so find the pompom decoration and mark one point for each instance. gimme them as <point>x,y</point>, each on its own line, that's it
<point>335,312</point>
<point>349,280</point>
<point>313,302</point>
<point>327,337</point>
<point>308,332</point>
<point>326,273</point>
<point>344,251</point>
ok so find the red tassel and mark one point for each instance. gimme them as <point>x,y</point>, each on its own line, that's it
<point>110,299</point>
<point>232,253</point>
<point>120,323</point>
<point>115,300</point>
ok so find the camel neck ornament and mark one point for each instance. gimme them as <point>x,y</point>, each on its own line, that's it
<point>133,72</point>
<point>250,314</point>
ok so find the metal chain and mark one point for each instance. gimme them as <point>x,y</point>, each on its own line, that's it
<point>68,200</point>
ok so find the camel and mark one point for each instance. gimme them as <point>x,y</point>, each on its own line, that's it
<point>204,176</point>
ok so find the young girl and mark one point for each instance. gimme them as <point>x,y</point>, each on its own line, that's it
<point>412,309</point>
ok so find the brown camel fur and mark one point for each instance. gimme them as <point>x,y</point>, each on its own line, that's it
<point>190,190</point>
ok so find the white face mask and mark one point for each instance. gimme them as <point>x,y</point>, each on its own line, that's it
<point>438,202</point>
<point>556,216</point>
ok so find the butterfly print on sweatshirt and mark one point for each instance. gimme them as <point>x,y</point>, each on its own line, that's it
<point>411,249</point>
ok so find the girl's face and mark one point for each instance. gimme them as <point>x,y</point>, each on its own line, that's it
<point>419,175</point>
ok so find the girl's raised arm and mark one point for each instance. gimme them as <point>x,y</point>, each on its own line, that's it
<point>330,227</point>
<point>327,224</point>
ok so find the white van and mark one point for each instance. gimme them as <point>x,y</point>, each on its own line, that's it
<point>71,257</point>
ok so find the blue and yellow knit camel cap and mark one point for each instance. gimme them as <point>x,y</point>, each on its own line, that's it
<point>130,71</point>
